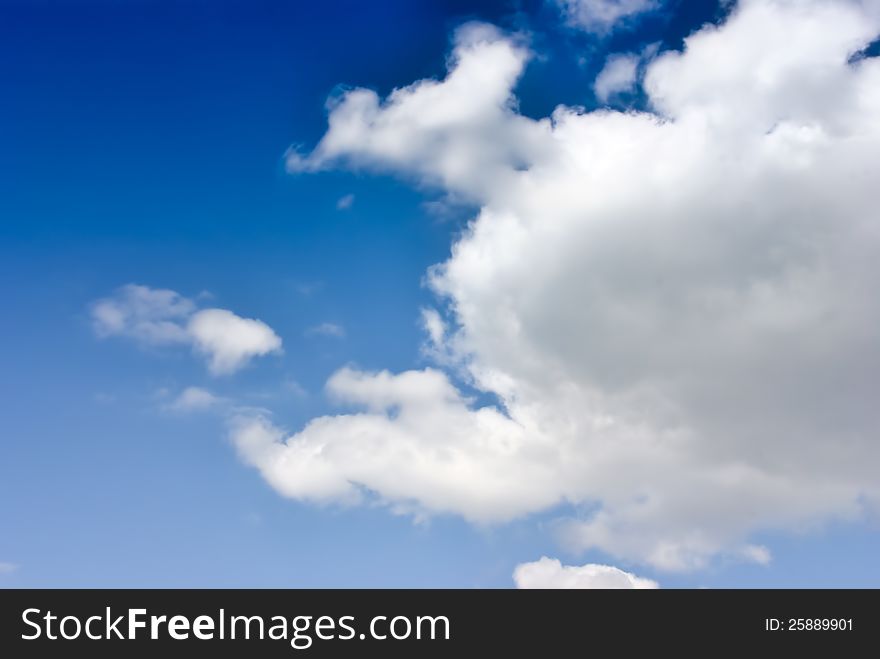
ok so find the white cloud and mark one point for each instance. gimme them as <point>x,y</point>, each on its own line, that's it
<point>436,345</point>
<point>345,202</point>
<point>617,76</point>
<point>602,16</point>
<point>163,317</point>
<point>757,554</point>
<point>332,330</point>
<point>150,315</point>
<point>7,568</point>
<point>418,446</point>
<point>460,133</point>
<point>434,326</point>
<point>229,341</point>
<point>675,310</point>
<point>194,399</point>
<point>550,573</point>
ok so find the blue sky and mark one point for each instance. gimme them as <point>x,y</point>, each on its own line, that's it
<point>144,142</point>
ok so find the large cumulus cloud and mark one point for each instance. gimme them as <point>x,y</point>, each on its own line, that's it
<point>676,309</point>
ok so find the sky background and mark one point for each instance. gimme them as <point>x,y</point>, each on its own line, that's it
<point>143,142</point>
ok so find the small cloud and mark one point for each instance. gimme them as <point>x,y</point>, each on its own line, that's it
<point>104,398</point>
<point>327,329</point>
<point>604,16</point>
<point>757,554</point>
<point>151,316</point>
<point>194,399</point>
<point>434,326</point>
<point>345,202</point>
<point>550,573</point>
<point>7,568</point>
<point>618,76</point>
<point>161,317</point>
<point>229,341</point>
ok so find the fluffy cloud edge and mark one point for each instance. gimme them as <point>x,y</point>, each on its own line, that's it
<point>550,573</point>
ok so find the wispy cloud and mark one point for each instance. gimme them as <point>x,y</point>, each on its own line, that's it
<point>194,399</point>
<point>345,202</point>
<point>307,288</point>
<point>331,330</point>
<point>603,16</point>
